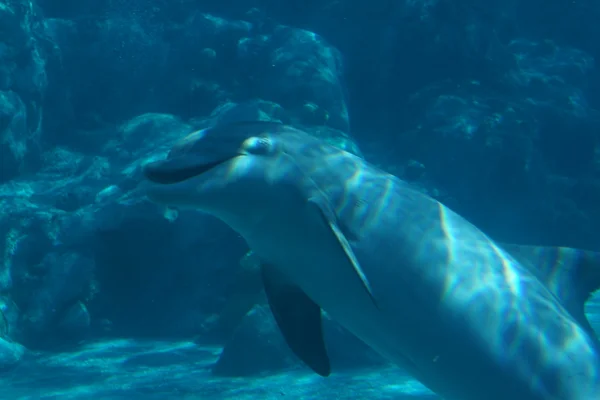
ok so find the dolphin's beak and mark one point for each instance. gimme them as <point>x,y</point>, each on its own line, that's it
<point>179,169</point>
<point>168,180</point>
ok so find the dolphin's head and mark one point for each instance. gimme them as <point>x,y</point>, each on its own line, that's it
<point>225,170</point>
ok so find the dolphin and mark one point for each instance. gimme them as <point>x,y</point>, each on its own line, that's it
<point>405,274</point>
<point>247,289</point>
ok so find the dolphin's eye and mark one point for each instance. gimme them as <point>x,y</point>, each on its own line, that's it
<point>257,145</point>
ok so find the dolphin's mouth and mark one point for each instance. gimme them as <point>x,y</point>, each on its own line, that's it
<point>179,169</point>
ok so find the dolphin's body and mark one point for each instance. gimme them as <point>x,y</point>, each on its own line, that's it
<point>412,279</point>
<point>247,289</point>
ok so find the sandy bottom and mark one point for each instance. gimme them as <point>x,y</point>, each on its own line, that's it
<point>125,369</point>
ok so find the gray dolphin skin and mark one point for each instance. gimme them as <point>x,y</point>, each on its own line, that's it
<point>469,318</point>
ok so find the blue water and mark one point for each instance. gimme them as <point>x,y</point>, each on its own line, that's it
<point>491,107</point>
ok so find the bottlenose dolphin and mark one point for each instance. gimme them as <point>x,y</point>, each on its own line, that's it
<point>247,289</point>
<point>405,274</point>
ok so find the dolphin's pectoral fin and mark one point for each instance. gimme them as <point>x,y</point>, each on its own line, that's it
<point>329,220</point>
<point>299,320</point>
<point>572,275</point>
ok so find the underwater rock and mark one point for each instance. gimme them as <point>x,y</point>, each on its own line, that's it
<point>254,348</point>
<point>9,317</point>
<point>3,325</point>
<point>10,353</point>
<point>143,134</point>
<point>75,322</point>
<point>295,68</point>
<point>257,347</point>
<point>65,278</point>
<point>17,150</point>
<point>413,170</point>
<point>23,82</point>
<point>256,110</point>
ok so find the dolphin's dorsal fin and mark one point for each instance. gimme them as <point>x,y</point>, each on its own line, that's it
<point>329,218</point>
<point>572,275</point>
